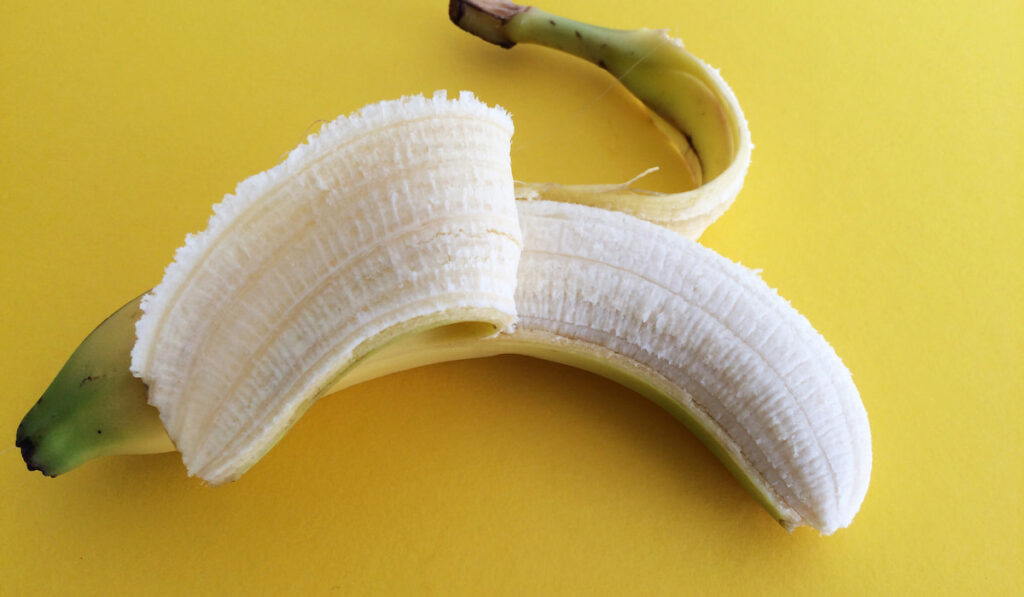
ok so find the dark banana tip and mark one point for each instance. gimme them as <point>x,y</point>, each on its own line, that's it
<point>28,448</point>
<point>455,10</point>
<point>27,445</point>
<point>485,18</point>
<point>28,451</point>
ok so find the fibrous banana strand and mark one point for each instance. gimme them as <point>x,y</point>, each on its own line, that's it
<point>689,101</point>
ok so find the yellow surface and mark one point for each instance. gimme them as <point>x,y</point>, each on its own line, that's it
<point>885,201</point>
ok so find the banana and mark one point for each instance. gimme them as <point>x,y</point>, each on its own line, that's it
<point>390,240</point>
<point>689,101</point>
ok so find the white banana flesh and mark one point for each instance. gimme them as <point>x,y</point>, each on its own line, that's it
<point>738,358</point>
<point>700,335</point>
<point>396,219</point>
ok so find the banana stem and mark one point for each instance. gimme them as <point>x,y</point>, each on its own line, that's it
<point>617,51</point>
<point>620,52</point>
<point>506,24</point>
<point>688,102</point>
<point>486,19</point>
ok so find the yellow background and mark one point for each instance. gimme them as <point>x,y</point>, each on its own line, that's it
<point>884,200</point>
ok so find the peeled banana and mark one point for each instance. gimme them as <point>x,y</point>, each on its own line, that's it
<point>391,240</point>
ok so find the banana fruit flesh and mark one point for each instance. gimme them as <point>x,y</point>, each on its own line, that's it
<point>689,101</point>
<point>391,240</point>
<point>701,336</point>
<point>393,220</point>
<point>709,341</point>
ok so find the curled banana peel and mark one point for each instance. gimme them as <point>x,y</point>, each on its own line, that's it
<point>391,240</point>
<point>688,101</point>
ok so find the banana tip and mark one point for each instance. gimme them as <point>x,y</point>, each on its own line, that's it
<point>28,452</point>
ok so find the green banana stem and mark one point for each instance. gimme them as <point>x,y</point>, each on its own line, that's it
<point>95,406</point>
<point>688,102</point>
<point>619,52</point>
